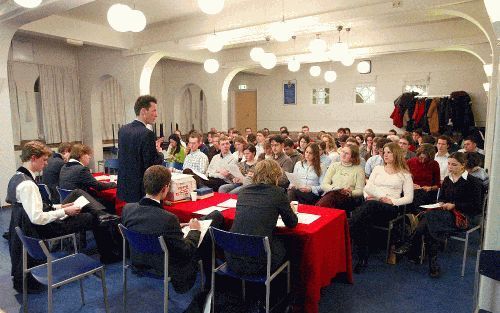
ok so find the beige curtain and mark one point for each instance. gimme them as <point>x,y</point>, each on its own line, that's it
<point>186,106</point>
<point>14,106</point>
<point>112,108</point>
<point>60,94</point>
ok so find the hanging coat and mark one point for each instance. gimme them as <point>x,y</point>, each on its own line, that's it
<point>433,116</point>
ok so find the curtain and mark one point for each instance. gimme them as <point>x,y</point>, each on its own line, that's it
<point>14,106</point>
<point>112,108</point>
<point>186,105</point>
<point>60,94</point>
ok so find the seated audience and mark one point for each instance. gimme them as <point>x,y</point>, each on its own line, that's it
<point>442,145</point>
<point>277,146</point>
<point>393,132</point>
<point>460,200</point>
<point>265,132</point>
<point>38,218</point>
<point>344,181</point>
<point>148,217</point>
<point>304,140</point>
<point>305,130</point>
<point>347,131</point>
<point>331,147</point>
<point>291,152</point>
<point>342,140</point>
<point>366,150</point>
<point>472,167</point>
<point>353,142</point>
<point>426,176</point>
<point>202,147</point>
<point>324,159</point>
<point>246,168</point>
<point>175,153</point>
<point>470,145</point>
<point>178,133</point>
<point>252,139</point>
<point>268,151</point>
<point>417,139</point>
<point>428,139</point>
<point>261,138</point>
<point>404,143</point>
<point>311,174</point>
<point>257,211</point>
<point>217,172</point>
<point>285,134</point>
<point>215,148</point>
<point>369,131</point>
<point>389,186</point>
<point>51,171</point>
<point>239,145</point>
<point>195,161</point>
<point>361,140</point>
<point>377,159</point>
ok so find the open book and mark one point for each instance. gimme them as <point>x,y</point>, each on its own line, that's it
<point>205,224</point>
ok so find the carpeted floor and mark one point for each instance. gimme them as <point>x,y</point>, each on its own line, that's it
<point>404,287</point>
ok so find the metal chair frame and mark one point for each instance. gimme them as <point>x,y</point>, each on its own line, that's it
<point>269,276</point>
<point>126,266</point>
<point>99,271</point>
<point>111,164</point>
<point>390,226</point>
<point>63,193</point>
<point>44,191</point>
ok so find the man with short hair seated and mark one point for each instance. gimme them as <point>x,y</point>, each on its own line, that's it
<point>51,171</point>
<point>148,217</point>
<point>290,151</point>
<point>196,161</point>
<point>217,172</point>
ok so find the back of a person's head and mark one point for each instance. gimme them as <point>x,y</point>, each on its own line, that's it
<point>288,142</point>
<point>427,149</point>
<point>34,148</point>
<point>267,172</point>
<point>473,159</point>
<point>143,102</point>
<point>251,138</point>
<point>64,147</point>
<point>155,178</point>
<point>195,134</point>
<point>382,142</point>
<point>79,150</point>
<point>277,139</point>
<point>428,139</point>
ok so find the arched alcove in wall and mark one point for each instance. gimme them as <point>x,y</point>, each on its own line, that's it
<point>191,108</point>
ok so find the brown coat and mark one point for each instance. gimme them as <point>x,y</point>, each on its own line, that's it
<point>433,116</point>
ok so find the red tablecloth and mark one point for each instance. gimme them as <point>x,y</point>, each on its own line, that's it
<point>320,250</point>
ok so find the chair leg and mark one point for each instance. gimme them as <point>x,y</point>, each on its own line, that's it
<point>422,250</point>
<point>124,289</point>
<point>466,246</point>
<point>165,294</point>
<point>80,281</point>
<point>49,299</point>
<point>288,279</point>
<point>243,290</point>
<point>104,290</point>
<point>388,248</point>
<point>25,292</point>
<point>268,296</point>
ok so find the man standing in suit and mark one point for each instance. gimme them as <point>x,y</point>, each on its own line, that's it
<point>149,217</point>
<point>138,150</point>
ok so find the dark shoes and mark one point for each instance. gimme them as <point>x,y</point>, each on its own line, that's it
<point>361,266</point>
<point>434,268</point>
<point>105,219</point>
<point>403,249</point>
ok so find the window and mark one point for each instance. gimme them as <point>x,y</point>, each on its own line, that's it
<point>321,96</point>
<point>420,88</point>
<point>365,94</point>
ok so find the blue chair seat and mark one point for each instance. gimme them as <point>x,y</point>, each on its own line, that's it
<point>66,268</point>
<point>224,269</point>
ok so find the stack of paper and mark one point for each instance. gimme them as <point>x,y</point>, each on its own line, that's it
<point>304,218</point>
<point>432,206</point>
<point>209,210</point>
<point>229,203</point>
<point>102,177</point>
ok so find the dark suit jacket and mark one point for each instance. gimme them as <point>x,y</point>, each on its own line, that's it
<point>76,176</point>
<point>148,217</point>
<point>51,174</point>
<point>137,152</point>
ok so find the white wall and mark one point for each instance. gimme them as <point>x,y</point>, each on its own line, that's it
<point>447,72</point>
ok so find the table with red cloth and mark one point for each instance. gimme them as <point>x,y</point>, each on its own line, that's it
<point>319,251</point>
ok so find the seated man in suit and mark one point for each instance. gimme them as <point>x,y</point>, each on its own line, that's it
<point>40,219</point>
<point>148,217</point>
<point>76,175</point>
<point>51,171</point>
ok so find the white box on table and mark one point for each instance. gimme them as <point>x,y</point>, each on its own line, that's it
<point>181,187</point>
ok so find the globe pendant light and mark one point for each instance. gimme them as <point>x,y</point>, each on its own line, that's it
<point>364,67</point>
<point>30,4</point>
<point>348,60</point>
<point>256,54</point>
<point>293,65</point>
<point>211,6</point>
<point>123,19</point>
<point>317,45</point>
<point>330,76</point>
<point>339,51</point>
<point>315,71</point>
<point>215,43</point>
<point>211,66</point>
<point>137,21</point>
<point>268,60</point>
<point>281,32</point>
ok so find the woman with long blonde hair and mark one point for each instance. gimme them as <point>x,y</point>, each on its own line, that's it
<point>390,185</point>
<point>331,147</point>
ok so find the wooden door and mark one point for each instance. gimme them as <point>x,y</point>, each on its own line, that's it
<point>245,110</point>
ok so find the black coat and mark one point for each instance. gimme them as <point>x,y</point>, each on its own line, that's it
<point>51,174</point>
<point>137,152</point>
<point>148,217</point>
<point>76,176</point>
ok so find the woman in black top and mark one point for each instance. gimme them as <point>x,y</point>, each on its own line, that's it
<point>460,200</point>
<point>257,211</point>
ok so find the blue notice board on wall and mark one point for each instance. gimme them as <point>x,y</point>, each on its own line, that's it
<point>290,92</point>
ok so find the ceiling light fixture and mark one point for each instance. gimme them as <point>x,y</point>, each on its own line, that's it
<point>256,54</point>
<point>211,6</point>
<point>268,60</point>
<point>317,45</point>
<point>215,42</point>
<point>347,60</point>
<point>330,76</point>
<point>293,64</point>
<point>30,4</point>
<point>365,67</point>
<point>315,71</point>
<point>211,66</point>
<point>281,31</point>
<point>493,9</point>
<point>124,19</point>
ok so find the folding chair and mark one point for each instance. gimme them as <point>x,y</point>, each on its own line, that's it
<point>245,245</point>
<point>57,272</point>
<point>390,225</point>
<point>111,166</point>
<point>63,193</point>
<point>44,191</point>
<point>150,244</point>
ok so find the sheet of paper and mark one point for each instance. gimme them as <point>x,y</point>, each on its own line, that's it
<point>205,224</point>
<point>113,178</point>
<point>304,218</point>
<point>102,177</point>
<point>209,210</point>
<point>229,203</point>
<point>234,170</point>
<point>294,180</point>
<point>431,206</point>
<point>81,202</point>
<point>201,175</point>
